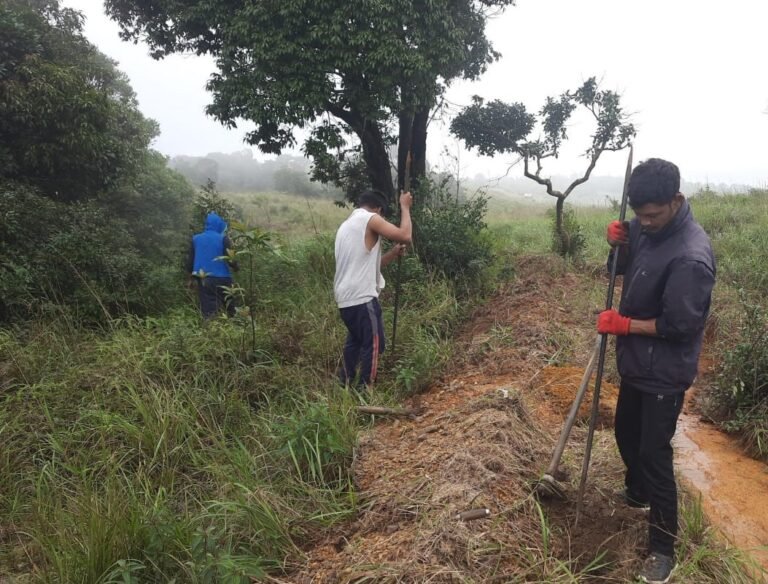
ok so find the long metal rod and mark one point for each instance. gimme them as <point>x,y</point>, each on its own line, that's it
<point>603,347</point>
<point>398,276</point>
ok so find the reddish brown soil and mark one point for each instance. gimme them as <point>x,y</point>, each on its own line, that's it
<point>557,386</point>
<point>733,487</point>
<point>485,436</point>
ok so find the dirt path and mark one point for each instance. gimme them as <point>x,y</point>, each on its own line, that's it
<point>733,487</point>
<point>486,433</point>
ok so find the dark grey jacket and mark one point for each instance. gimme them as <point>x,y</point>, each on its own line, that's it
<point>668,276</point>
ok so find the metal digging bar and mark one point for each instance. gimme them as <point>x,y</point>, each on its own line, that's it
<point>547,485</point>
<point>603,347</point>
<point>406,188</point>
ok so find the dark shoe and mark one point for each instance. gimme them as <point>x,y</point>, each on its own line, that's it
<point>657,569</point>
<point>632,500</point>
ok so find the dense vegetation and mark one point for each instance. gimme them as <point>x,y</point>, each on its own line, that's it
<point>136,444</point>
<point>141,446</point>
<point>90,214</point>
<point>163,449</point>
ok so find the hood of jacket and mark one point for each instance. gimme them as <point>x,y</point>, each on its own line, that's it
<point>214,222</point>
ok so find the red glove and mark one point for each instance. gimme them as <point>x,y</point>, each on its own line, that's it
<point>611,322</point>
<point>617,233</point>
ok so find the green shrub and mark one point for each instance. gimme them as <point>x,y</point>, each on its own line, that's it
<point>209,200</point>
<point>450,235</point>
<point>570,241</point>
<point>741,392</point>
<point>317,438</point>
<point>79,255</point>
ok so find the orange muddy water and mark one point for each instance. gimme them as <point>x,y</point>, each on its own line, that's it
<point>733,487</point>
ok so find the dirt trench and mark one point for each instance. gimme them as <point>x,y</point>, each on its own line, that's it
<point>485,435</point>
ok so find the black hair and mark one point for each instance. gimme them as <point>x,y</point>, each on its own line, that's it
<point>373,199</point>
<point>654,181</point>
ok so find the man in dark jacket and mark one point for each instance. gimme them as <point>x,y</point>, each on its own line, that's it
<point>669,272</point>
<point>205,264</point>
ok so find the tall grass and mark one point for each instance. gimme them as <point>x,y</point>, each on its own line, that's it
<point>736,224</point>
<point>703,557</point>
<point>293,216</point>
<point>739,398</point>
<point>162,448</point>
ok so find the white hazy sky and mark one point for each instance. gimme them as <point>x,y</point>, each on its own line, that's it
<point>693,72</point>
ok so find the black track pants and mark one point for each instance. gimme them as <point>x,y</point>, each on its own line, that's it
<point>645,424</point>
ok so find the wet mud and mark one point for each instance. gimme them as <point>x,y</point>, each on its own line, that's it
<point>733,486</point>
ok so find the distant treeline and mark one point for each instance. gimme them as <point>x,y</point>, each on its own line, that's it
<point>240,172</point>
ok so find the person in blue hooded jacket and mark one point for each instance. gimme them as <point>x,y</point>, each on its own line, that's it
<point>206,265</point>
<point>669,272</point>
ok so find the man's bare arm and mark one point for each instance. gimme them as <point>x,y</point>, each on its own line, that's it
<point>643,327</point>
<point>401,234</point>
<point>397,250</point>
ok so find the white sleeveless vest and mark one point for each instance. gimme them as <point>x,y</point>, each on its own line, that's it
<point>358,274</point>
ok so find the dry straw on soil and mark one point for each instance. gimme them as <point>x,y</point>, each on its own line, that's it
<point>486,435</point>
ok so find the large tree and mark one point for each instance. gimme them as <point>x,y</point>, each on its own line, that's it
<point>497,127</point>
<point>369,70</point>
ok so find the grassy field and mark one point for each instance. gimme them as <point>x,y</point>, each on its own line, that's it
<point>736,224</point>
<point>287,215</point>
<point>158,449</point>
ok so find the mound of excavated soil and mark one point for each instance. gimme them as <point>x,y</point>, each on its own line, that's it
<point>478,456</point>
<point>485,437</point>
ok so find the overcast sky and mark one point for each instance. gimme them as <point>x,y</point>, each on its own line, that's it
<point>694,72</point>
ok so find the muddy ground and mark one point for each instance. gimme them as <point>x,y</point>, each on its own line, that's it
<point>485,434</point>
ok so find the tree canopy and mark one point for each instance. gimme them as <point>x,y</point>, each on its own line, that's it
<point>334,69</point>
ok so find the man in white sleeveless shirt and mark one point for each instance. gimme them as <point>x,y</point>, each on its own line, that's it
<point>358,280</point>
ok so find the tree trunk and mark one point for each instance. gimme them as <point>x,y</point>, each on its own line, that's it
<point>412,137</point>
<point>376,159</point>
<point>562,244</point>
<point>419,145</point>
<point>404,146</point>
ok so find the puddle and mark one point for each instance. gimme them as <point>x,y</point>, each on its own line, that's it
<point>733,487</point>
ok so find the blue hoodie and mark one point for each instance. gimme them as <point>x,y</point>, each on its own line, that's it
<point>210,245</point>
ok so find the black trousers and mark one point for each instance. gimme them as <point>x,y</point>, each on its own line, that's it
<point>364,344</point>
<point>213,296</point>
<point>644,426</point>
